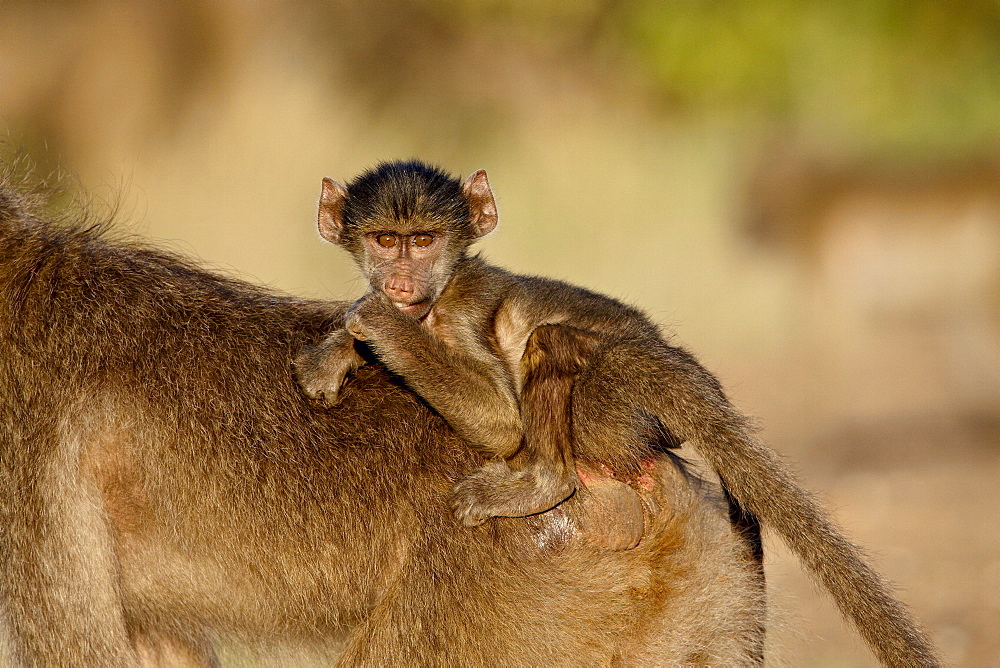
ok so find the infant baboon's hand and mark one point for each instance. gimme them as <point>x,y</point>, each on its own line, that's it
<point>365,315</point>
<point>320,370</point>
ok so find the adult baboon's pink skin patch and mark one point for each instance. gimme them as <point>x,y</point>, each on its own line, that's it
<point>646,480</point>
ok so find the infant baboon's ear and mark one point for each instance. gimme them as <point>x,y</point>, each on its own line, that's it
<point>331,211</point>
<point>482,206</point>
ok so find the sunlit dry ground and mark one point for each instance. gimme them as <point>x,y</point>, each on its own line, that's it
<point>925,502</point>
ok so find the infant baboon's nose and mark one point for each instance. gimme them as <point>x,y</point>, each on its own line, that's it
<point>399,289</point>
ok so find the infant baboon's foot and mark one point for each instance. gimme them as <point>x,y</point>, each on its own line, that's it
<point>609,513</point>
<point>320,370</point>
<point>496,490</point>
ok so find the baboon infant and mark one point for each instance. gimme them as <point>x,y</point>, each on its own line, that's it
<point>454,328</point>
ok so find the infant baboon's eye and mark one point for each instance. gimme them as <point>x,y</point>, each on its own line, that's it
<point>422,240</point>
<point>387,240</point>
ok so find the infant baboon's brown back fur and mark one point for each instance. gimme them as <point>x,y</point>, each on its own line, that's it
<point>164,485</point>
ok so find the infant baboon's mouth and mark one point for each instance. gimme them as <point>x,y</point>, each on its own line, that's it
<point>415,309</point>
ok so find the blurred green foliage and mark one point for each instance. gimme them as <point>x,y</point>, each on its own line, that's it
<point>921,76</point>
<point>910,73</point>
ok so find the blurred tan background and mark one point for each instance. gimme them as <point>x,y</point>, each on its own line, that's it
<point>807,194</point>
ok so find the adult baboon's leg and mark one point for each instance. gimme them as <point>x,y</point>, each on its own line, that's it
<point>57,567</point>
<point>158,649</point>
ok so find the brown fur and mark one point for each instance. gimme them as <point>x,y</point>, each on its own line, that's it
<point>164,486</point>
<point>612,516</point>
<point>458,331</point>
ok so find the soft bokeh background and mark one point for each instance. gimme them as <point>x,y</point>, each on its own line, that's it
<point>807,194</point>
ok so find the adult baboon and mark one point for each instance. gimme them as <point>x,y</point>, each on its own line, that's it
<point>164,485</point>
